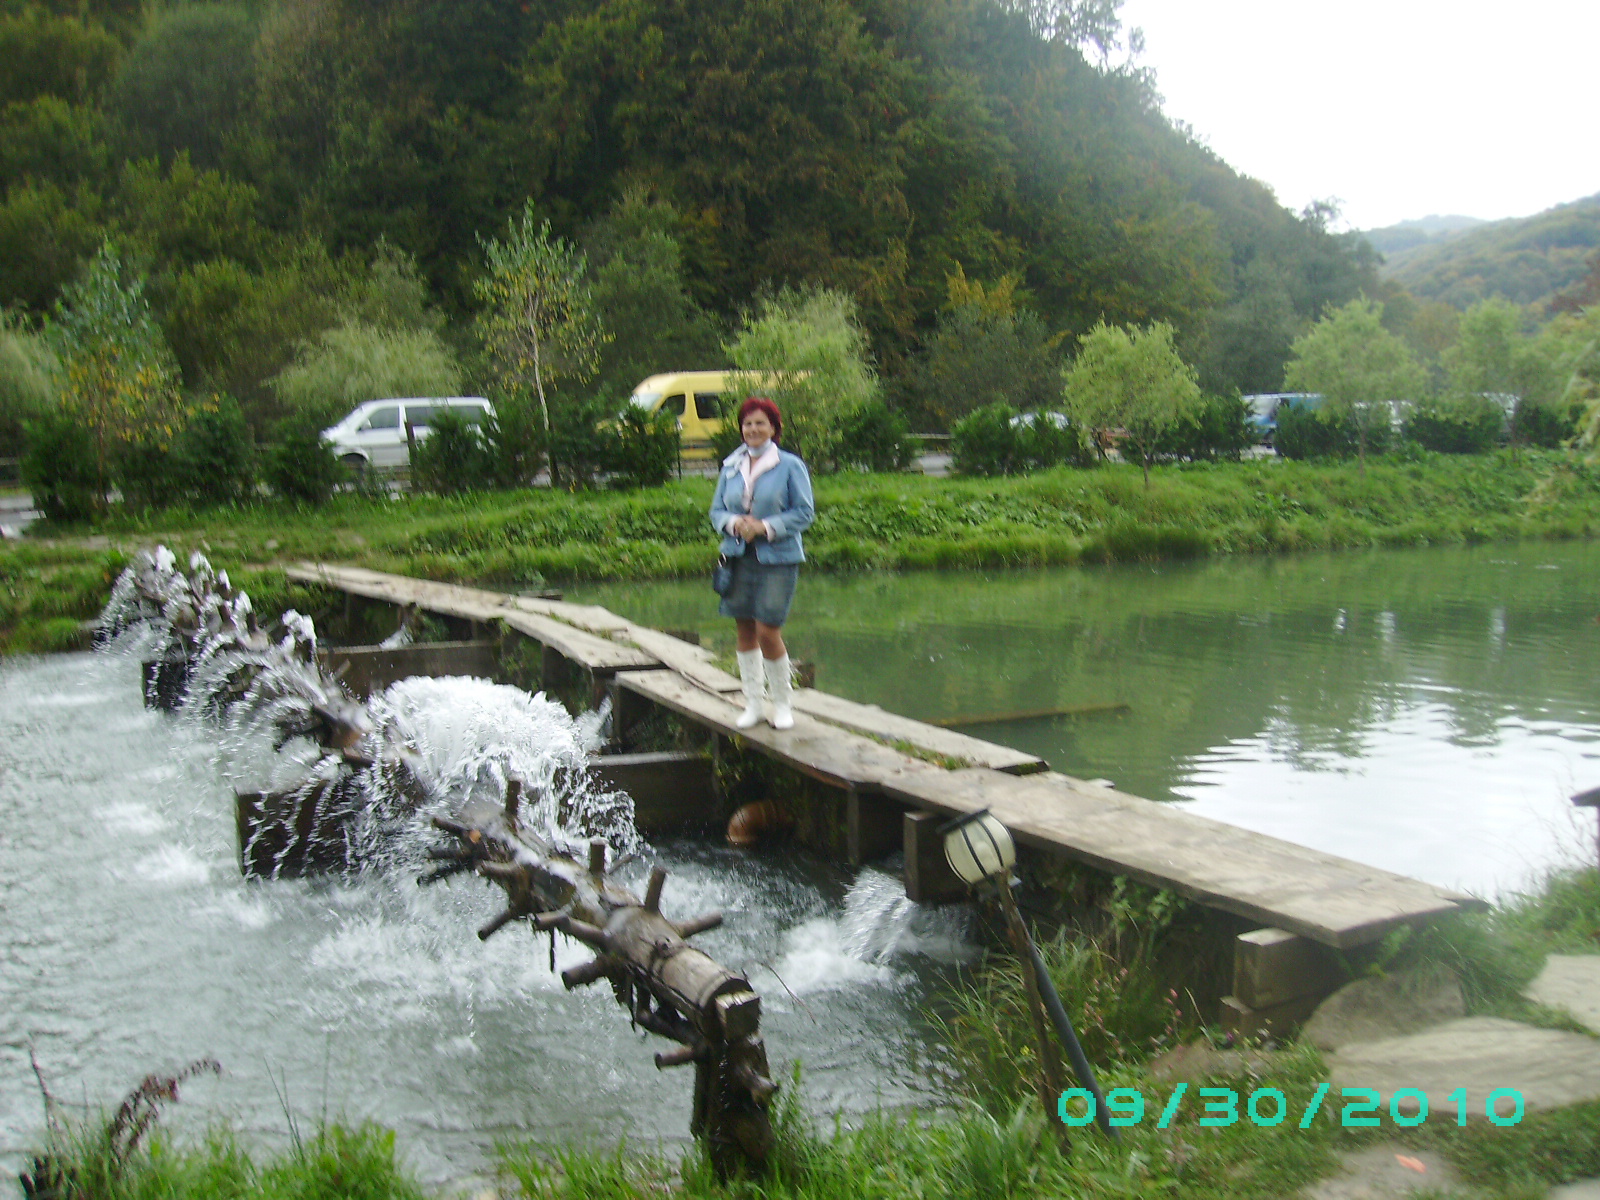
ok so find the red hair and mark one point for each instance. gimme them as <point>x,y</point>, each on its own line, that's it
<point>762,404</point>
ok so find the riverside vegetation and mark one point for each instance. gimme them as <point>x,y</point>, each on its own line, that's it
<point>1117,976</point>
<point>50,584</point>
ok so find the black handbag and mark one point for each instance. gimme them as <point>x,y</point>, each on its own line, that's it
<point>722,575</point>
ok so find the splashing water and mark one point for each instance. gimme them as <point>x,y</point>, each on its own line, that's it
<point>873,938</point>
<point>426,743</point>
<point>470,737</point>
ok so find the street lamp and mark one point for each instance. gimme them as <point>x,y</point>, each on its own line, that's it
<point>978,847</point>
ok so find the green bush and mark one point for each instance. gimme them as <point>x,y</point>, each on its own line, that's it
<point>58,467</point>
<point>1216,428</point>
<point>1305,432</point>
<point>215,457</point>
<point>807,351</point>
<point>1049,439</point>
<point>144,474</point>
<point>211,460</point>
<point>515,443</point>
<point>644,448</point>
<point>353,363</point>
<point>1465,427</point>
<point>876,438</point>
<point>985,442</point>
<point>27,383</point>
<point>1544,425</point>
<point>997,441</point>
<point>582,441</point>
<point>453,458</point>
<point>303,467</point>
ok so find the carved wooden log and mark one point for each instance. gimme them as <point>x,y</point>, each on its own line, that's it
<point>667,986</point>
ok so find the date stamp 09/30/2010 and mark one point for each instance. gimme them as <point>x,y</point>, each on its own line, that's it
<point>1268,1106</point>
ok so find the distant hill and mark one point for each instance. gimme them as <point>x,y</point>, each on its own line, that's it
<point>1393,240</point>
<point>1525,260</point>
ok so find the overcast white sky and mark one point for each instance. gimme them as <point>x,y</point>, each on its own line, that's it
<point>1397,108</point>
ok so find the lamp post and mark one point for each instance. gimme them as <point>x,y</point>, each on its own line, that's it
<point>978,848</point>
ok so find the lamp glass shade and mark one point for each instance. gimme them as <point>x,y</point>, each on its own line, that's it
<point>980,849</point>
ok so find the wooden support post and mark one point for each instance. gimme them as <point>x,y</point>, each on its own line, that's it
<point>1279,978</point>
<point>929,879</point>
<point>873,826</point>
<point>1271,966</point>
<point>554,669</point>
<point>672,790</point>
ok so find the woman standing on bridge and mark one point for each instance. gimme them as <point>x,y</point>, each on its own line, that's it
<point>761,506</point>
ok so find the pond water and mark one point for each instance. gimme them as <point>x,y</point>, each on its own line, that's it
<point>129,943</point>
<point>1428,711</point>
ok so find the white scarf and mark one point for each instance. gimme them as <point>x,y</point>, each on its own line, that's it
<point>753,467</point>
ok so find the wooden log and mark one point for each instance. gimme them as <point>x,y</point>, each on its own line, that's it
<point>1036,714</point>
<point>668,986</point>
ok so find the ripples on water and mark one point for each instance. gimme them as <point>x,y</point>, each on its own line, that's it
<point>131,943</point>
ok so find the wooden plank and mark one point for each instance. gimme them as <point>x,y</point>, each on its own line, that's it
<point>589,617</point>
<point>870,719</point>
<point>370,669</point>
<point>693,662</point>
<point>447,599</point>
<point>825,752</point>
<point>588,651</point>
<point>1329,899</point>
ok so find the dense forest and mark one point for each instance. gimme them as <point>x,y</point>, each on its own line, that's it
<point>275,168</point>
<point>1530,261</point>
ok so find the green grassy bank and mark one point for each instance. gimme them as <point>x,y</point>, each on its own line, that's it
<point>59,576</point>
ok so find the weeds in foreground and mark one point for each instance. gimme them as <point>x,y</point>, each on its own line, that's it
<point>971,1155</point>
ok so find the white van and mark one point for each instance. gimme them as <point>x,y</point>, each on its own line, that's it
<point>374,435</point>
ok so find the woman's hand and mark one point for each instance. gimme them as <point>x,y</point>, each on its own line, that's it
<point>748,528</point>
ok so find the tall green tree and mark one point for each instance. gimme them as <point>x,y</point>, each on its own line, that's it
<point>119,379</point>
<point>538,324</point>
<point>353,363</point>
<point>1361,370</point>
<point>807,352</point>
<point>985,349</point>
<point>641,293</point>
<point>1132,379</point>
<point>1493,358</point>
<point>29,375</point>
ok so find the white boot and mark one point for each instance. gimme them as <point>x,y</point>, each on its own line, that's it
<point>754,687</point>
<point>782,694</point>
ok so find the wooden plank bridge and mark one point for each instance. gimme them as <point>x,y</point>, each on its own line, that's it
<point>898,778</point>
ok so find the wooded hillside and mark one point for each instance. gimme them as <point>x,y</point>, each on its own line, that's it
<point>256,160</point>
<point>1527,260</point>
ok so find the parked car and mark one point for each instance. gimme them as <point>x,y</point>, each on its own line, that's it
<point>376,433</point>
<point>696,399</point>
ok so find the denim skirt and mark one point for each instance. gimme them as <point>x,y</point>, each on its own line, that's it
<point>761,591</point>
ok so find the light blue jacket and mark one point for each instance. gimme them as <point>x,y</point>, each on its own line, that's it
<point>782,498</point>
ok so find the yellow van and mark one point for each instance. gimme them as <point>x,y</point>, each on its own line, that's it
<point>696,399</point>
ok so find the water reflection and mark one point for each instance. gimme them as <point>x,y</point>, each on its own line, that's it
<point>1428,711</point>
